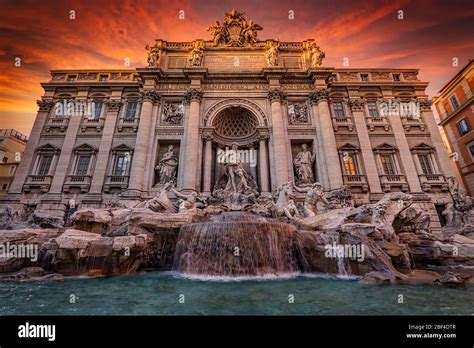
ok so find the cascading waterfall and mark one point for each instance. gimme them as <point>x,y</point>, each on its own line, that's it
<point>238,244</point>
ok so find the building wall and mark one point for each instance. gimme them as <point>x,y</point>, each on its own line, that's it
<point>462,87</point>
<point>12,145</point>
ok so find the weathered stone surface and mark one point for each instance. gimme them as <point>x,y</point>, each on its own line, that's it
<point>162,232</point>
<point>48,218</point>
<point>76,239</point>
<point>423,276</point>
<point>34,238</point>
<point>147,221</point>
<point>329,220</point>
<point>101,221</point>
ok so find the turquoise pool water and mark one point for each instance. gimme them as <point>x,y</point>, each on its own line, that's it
<point>164,293</point>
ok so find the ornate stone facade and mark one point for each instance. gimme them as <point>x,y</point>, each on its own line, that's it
<point>262,98</point>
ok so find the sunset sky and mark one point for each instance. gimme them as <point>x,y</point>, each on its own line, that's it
<point>104,33</point>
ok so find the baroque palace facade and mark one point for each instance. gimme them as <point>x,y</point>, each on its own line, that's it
<point>169,122</point>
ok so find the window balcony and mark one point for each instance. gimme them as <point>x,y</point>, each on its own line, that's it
<point>60,123</point>
<point>92,123</point>
<point>38,182</point>
<point>410,122</point>
<point>116,182</point>
<point>82,182</point>
<point>358,180</point>
<point>377,122</point>
<point>391,181</point>
<point>130,123</point>
<point>428,181</point>
<point>345,122</point>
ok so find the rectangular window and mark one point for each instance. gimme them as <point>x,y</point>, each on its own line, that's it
<point>83,165</point>
<point>388,164</point>
<point>373,110</point>
<point>104,78</point>
<point>71,78</point>
<point>471,149</point>
<point>121,165</point>
<point>131,110</point>
<point>454,102</point>
<point>364,77</point>
<point>97,110</point>
<point>464,126</point>
<point>5,186</point>
<point>350,165</point>
<point>339,110</point>
<point>45,163</point>
<point>396,77</point>
<point>5,159</point>
<point>11,170</point>
<point>425,162</point>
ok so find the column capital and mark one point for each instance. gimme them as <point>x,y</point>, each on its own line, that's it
<point>113,105</point>
<point>207,135</point>
<point>319,95</point>
<point>193,94</point>
<point>425,104</point>
<point>45,105</point>
<point>357,104</point>
<point>275,95</point>
<point>150,95</point>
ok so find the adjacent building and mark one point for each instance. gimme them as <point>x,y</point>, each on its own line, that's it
<point>103,135</point>
<point>455,106</point>
<point>12,146</point>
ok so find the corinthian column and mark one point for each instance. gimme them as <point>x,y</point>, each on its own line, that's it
<point>280,151</point>
<point>137,169</point>
<point>405,154</point>
<point>100,168</point>
<point>207,163</point>
<point>328,138</point>
<point>66,152</point>
<point>263,163</point>
<point>45,106</point>
<point>357,108</point>
<point>192,140</point>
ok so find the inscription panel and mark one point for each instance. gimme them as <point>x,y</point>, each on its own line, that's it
<point>237,63</point>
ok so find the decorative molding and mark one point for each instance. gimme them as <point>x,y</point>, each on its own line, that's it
<point>425,104</point>
<point>275,95</point>
<point>357,105</point>
<point>150,96</point>
<point>319,95</point>
<point>193,95</point>
<point>45,105</point>
<point>113,105</point>
<point>250,105</point>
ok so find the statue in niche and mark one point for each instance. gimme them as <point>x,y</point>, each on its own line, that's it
<point>197,54</point>
<point>304,166</point>
<point>297,113</point>
<point>166,168</point>
<point>314,196</point>
<point>317,56</point>
<point>154,56</point>
<point>272,54</point>
<point>173,113</point>
<point>235,178</point>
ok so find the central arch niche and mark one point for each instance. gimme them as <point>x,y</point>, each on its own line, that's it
<point>235,122</point>
<point>241,125</point>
